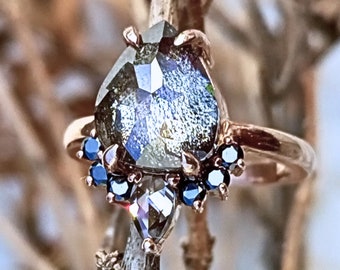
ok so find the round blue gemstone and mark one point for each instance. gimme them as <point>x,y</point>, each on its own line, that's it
<point>191,192</point>
<point>91,147</point>
<point>120,187</point>
<point>98,174</point>
<point>215,178</point>
<point>230,154</point>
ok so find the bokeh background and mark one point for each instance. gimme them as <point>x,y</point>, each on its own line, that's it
<point>277,63</point>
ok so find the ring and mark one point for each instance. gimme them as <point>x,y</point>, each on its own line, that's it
<point>160,136</point>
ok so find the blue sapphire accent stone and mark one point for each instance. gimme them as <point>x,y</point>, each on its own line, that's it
<point>230,154</point>
<point>98,174</point>
<point>192,191</point>
<point>120,187</point>
<point>156,102</point>
<point>216,177</point>
<point>91,147</point>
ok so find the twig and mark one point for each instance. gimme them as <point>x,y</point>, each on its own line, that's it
<point>54,112</point>
<point>198,247</point>
<point>36,163</point>
<point>229,27</point>
<point>163,10</point>
<point>294,234</point>
<point>22,248</point>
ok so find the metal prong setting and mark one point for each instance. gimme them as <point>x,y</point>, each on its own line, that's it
<point>80,154</point>
<point>93,133</point>
<point>173,179</point>
<point>150,247</point>
<point>190,164</point>
<point>197,39</point>
<point>132,37</point>
<point>135,177</point>
<point>198,206</point>
<point>110,157</point>
<point>89,180</point>
<point>110,197</point>
<point>239,168</point>
<point>224,191</point>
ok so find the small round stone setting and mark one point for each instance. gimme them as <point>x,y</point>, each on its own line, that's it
<point>192,191</point>
<point>216,177</point>
<point>98,174</point>
<point>91,148</point>
<point>120,187</point>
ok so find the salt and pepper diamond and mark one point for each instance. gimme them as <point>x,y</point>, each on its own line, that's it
<point>156,122</point>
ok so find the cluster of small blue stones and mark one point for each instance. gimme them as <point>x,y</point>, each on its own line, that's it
<point>191,189</point>
<point>194,189</point>
<point>99,175</point>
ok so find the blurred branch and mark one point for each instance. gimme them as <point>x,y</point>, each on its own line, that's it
<point>22,248</point>
<point>36,162</point>
<point>199,244</point>
<point>54,117</point>
<point>295,229</point>
<point>163,10</point>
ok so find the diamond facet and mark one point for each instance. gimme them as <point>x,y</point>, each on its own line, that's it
<point>91,147</point>
<point>217,177</point>
<point>153,207</point>
<point>191,192</point>
<point>98,174</point>
<point>120,187</point>
<point>157,102</point>
<point>230,154</point>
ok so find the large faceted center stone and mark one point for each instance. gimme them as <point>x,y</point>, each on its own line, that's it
<point>156,102</point>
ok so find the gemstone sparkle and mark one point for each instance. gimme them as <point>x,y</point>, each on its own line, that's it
<point>157,102</point>
<point>153,207</point>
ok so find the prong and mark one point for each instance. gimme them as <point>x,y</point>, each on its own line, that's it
<point>217,162</point>
<point>198,206</point>
<point>110,197</point>
<point>173,179</point>
<point>150,247</point>
<point>132,36</point>
<point>109,157</point>
<point>135,177</point>
<point>224,191</point>
<point>239,168</point>
<point>196,39</point>
<point>228,140</point>
<point>93,133</point>
<point>80,154</point>
<point>100,154</point>
<point>190,164</point>
<point>89,180</point>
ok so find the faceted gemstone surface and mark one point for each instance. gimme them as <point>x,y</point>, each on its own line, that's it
<point>217,177</point>
<point>230,154</point>
<point>191,192</point>
<point>98,174</point>
<point>156,102</point>
<point>90,148</point>
<point>120,187</point>
<point>153,207</point>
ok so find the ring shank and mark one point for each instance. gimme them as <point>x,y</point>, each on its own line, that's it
<point>271,156</point>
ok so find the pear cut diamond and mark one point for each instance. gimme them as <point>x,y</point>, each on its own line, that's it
<point>154,208</point>
<point>156,102</point>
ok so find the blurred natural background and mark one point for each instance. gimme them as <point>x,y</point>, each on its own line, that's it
<point>277,63</point>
